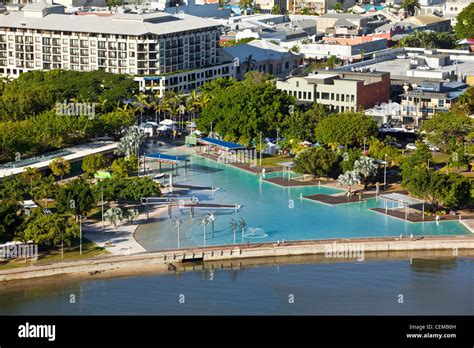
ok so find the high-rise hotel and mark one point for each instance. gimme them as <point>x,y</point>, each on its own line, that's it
<point>162,51</point>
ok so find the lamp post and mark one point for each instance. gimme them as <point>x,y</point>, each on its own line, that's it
<point>261,148</point>
<point>102,207</point>
<point>385,173</point>
<point>81,218</point>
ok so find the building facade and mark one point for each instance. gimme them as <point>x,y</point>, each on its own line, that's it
<point>262,56</point>
<point>428,99</point>
<point>42,37</point>
<point>339,91</point>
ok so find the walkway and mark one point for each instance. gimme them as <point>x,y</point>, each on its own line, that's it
<point>119,240</point>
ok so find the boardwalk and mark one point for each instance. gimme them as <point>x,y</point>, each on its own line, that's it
<point>280,181</point>
<point>417,216</point>
<point>340,199</point>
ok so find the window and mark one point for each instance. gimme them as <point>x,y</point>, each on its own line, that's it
<point>324,95</point>
<point>352,98</point>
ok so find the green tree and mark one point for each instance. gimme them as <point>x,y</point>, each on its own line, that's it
<point>93,163</point>
<point>276,10</point>
<point>349,156</point>
<point>51,230</point>
<point>45,188</point>
<point>464,105</point>
<point>295,49</point>
<point>75,197</point>
<point>122,167</point>
<point>115,122</point>
<point>411,6</point>
<point>465,23</point>
<point>13,188</point>
<point>241,110</point>
<point>429,39</point>
<point>459,157</point>
<point>11,219</point>
<point>332,61</point>
<point>448,129</point>
<point>317,161</point>
<point>347,128</point>
<point>301,125</point>
<point>249,63</point>
<point>31,175</point>
<point>338,7</point>
<point>245,5</point>
<point>60,167</point>
<point>378,150</point>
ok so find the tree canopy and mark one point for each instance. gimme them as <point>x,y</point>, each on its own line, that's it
<point>240,110</point>
<point>429,39</point>
<point>448,129</point>
<point>347,128</point>
<point>317,161</point>
<point>465,23</point>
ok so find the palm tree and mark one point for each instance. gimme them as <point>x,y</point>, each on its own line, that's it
<point>177,225</point>
<point>250,63</point>
<point>113,215</point>
<point>276,10</point>
<point>211,219</point>
<point>233,226</point>
<point>411,6</point>
<point>132,214</point>
<point>31,175</point>
<point>204,223</point>
<point>349,178</point>
<point>193,103</point>
<point>204,100</point>
<point>245,4</point>
<point>131,141</point>
<point>242,225</point>
<point>142,104</point>
<point>365,167</point>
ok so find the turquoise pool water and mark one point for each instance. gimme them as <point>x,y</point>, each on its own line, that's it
<point>271,213</point>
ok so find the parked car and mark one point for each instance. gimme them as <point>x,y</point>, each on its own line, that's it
<point>395,144</point>
<point>433,148</point>
<point>411,146</point>
<point>423,67</point>
<point>402,56</point>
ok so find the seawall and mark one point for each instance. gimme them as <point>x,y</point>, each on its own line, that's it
<point>160,260</point>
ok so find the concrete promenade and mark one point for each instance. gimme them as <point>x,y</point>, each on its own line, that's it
<point>160,260</point>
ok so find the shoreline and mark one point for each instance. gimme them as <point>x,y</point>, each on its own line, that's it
<point>159,261</point>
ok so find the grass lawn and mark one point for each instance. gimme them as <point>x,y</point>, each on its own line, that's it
<point>89,249</point>
<point>272,160</point>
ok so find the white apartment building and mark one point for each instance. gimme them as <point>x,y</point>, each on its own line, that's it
<point>173,49</point>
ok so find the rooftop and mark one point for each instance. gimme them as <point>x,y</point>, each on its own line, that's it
<point>71,154</point>
<point>423,20</point>
<point>260,50</point>
<point>341,16</point>
<point>125,24</point>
